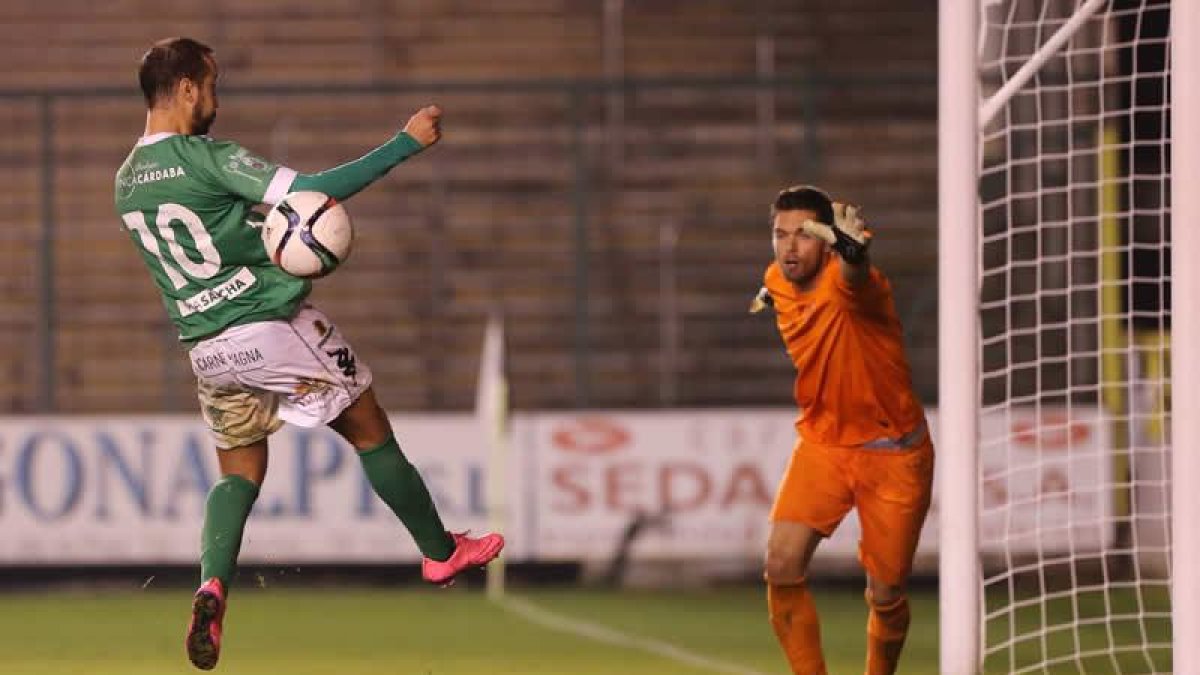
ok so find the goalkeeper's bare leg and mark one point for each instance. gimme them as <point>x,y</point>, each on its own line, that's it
<point>365,426</point>
<point>790,548</point>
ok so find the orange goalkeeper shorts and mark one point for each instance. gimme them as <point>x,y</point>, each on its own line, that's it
<point>890,487</point>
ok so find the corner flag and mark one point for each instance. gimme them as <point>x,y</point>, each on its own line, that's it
<point>491,412</point>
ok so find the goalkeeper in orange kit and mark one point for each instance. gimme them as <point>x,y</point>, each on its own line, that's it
<point>863,442</point>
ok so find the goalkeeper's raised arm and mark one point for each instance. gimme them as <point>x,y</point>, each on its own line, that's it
<point>848,237</point>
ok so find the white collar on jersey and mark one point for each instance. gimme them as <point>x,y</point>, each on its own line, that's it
<point>154,138</point>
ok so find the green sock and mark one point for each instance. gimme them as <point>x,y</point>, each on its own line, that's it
<point>398,484</point>
<point>225,515</point>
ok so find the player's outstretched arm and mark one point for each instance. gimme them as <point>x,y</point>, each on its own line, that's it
<point>342,182</point>
<point>849,237</point>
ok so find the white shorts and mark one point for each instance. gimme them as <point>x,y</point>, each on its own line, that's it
<point>253,378</point>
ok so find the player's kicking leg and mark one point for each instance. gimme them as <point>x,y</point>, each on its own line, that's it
<point>242,471</point>
<point>365,426</point>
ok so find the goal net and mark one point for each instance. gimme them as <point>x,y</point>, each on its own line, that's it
<point>1074,321</point>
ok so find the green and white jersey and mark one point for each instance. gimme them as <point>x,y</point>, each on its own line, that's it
<point>186,202</point>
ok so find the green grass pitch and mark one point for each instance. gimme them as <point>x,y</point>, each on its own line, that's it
<point>286,631</point>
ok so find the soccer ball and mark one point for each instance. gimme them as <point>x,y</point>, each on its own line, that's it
<point>308,234</point>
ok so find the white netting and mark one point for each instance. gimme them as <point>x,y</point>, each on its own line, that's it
<point>1074,187</point>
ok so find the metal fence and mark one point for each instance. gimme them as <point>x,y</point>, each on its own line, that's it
<point>619,224</point>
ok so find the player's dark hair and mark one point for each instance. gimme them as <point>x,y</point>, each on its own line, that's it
<point>169,61</point>
<point>804,198</point>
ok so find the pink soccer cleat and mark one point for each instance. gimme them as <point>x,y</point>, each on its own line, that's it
<point>468,552</point>
<point>204,632</point>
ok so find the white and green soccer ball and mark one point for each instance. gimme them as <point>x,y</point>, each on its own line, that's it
<point>308,234</point>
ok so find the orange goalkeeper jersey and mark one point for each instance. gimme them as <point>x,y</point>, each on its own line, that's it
<point>853,381</point>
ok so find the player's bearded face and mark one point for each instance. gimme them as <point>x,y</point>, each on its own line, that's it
<point>798,254</point>
<point>202,119</point>
<point>204,111</point>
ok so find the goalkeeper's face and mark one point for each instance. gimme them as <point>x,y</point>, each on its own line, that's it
<point>798,254</point>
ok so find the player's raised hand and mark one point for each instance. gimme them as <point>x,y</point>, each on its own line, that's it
<point>848,236</point>
<point>425,125</point>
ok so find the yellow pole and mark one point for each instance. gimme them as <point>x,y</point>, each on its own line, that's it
<point>1113,336</point>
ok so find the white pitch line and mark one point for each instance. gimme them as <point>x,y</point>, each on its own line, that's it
<point>565,624</point>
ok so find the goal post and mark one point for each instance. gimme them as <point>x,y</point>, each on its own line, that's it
<point>1066,150</point>
<point>1185,334</point>
<point>958,575</point>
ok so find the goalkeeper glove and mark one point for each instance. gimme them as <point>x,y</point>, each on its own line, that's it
<point>848,236</point>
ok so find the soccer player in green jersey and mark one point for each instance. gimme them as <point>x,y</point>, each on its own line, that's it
<point>261,354</point>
